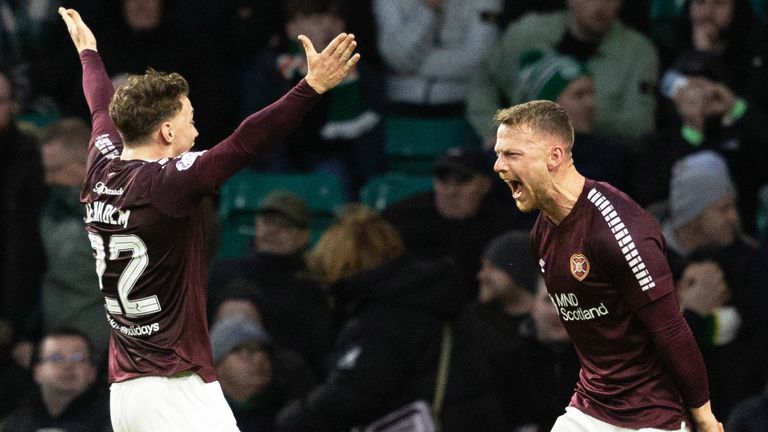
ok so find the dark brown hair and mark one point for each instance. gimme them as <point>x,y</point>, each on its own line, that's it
<point>145,101</point>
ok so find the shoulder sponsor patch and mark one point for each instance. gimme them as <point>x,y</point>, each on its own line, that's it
<point>579,266</point>
<point>105,145</point>
<point>187,159</point>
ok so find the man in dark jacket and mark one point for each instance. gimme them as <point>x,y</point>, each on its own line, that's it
<point>458,218</point>
<point>294,308</point>
<point>22,192</point>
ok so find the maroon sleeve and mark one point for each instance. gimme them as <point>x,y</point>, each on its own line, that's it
<point>196,174</point>
<point>255,133</point>
<point>98,90</point>
<point>677,346</point>
<point>635,251</point>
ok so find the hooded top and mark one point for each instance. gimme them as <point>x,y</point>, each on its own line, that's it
<point>387,352</point>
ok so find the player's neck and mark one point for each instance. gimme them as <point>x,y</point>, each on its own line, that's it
<point>147,152</point>
<point>563,195</point>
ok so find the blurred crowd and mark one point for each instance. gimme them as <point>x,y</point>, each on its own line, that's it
<point>328,327</point>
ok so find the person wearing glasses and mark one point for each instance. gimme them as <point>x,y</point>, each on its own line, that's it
<point>67,395</point>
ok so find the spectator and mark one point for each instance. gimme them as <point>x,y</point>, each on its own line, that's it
<point>532,400</point>
<point>623,64</point>
<point>751,415</point>
<point>703,215</point>
<point>257,378</point>
<point>563,80</point>
<point>708,114</point>
<point>343,133</point>
<point>15,380</point>
<point>507,282</point>
<point>238,297</point>
<point>714,263</point>
<point>727,29</point>
<point>458,218</point>
<point>70,292</point>
<point>28,44</point>
<point>22,259</point>
<point>520,331</point>
<point>430,48</point>
<point>68,398</point>
<point>139,34</point>
<point>705,289</point>
<point>395,308</point>
<point>294,308</point>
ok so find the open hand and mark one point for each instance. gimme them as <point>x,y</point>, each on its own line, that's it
<point>328,68</point>
<point>81,35</point>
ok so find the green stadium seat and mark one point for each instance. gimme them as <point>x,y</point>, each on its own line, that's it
<point>412,144</point>
<point>241,195</point>
<point>381,191</point>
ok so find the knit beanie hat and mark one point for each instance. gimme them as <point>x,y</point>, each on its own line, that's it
<point>512,253</point>
<point>546,76</point>
<point>229,333</point>
<point>698,181</point>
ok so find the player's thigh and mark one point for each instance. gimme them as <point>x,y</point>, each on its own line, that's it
<point>170,404</point>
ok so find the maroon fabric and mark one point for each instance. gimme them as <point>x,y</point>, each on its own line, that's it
<point>146,226</point>
<point>605,268</point>
<point>676,344</point>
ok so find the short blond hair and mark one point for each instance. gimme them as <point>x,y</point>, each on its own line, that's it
<point>360,240</point>
<point>542,116</point>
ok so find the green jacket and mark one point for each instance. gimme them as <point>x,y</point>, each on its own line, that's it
<point>625,72</point>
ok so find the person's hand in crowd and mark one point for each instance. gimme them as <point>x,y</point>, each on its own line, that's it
<point>329,67</point>
<point>721,100</point>
<point>691,101</point>
<point>81,35</point>
<point>703,288</point>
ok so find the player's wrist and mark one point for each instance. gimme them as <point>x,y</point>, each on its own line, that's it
<point>316,85</point>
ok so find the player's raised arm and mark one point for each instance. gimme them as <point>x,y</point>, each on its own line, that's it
<point>97,88</point>
<point>81,35</point>
<point>327,68</point>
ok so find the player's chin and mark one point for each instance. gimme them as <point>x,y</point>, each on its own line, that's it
<point>525,205</point>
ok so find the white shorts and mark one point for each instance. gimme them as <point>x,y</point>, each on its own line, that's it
<point>185,403</point>
<point>576,421</point>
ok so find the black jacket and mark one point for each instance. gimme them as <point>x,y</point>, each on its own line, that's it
<point>429,235</point>
<point>22,258</point>
<point>295,308</point>
<point>386,354</point>
<point>89,412</point>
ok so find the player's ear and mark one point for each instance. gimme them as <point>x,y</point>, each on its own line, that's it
<point>555,157</point>
<point>166,132</point>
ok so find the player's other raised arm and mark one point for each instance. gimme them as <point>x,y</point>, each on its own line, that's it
<point>81,35</point>
<point>328,68</point>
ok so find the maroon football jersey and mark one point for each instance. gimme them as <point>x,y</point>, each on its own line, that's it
<point>146,227</point>
<point>605,260</point>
